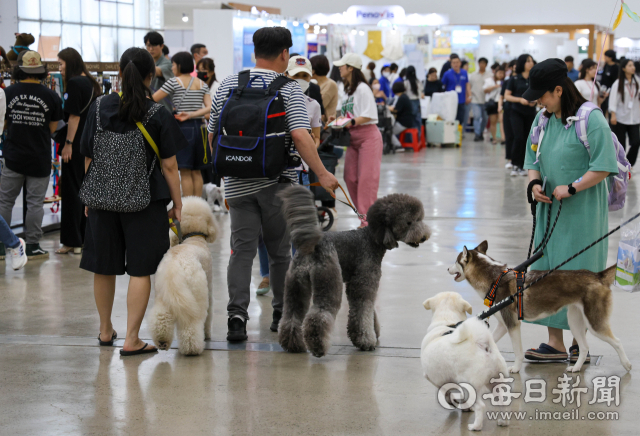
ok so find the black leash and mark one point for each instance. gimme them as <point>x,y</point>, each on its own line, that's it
<point>512,298</point>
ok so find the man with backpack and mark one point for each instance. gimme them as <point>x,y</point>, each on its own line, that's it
<point>257,117</point>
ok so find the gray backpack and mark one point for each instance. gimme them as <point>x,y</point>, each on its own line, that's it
<point>118,179</point>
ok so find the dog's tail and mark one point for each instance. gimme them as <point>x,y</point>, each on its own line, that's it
<point>302,218</point>
<point>608,276</point>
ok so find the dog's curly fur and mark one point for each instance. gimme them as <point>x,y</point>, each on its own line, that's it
<point>183,283</point>
<point>324,261</point>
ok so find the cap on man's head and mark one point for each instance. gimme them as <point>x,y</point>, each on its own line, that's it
<point>350,59</point>
<point>29,61</point>
<point>545,76</point>
<point>299,64</point>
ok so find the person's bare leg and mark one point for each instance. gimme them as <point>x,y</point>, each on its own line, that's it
<point>137,301</point>
<point>187,182</point>
<point>196,179</point>
<point>492,126</point>
<point>556,339</point>
<point>104,290</point>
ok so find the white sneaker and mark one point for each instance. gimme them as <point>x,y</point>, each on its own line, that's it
<point>515,172</point>
<point>509,165</point>
<point>522,172</point>
<point>18,256</point>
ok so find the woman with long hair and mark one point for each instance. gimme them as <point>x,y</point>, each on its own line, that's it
<point>523,112</point>
<point>369,72</point>
<point>80,90</point>
<point>134,243</point>
<point>624,107</point>
<point>413,91</point>
<point>504,108</point>
<point>492,87</point>
<point>364,154</point>
<point>585,82</point>
<point>206,65</point>
<point>574,176</point>
<point>192,103</point>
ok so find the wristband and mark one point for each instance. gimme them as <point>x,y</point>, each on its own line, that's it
<point>533,183</point>
<point>66,141</point>
<point>572,189</point>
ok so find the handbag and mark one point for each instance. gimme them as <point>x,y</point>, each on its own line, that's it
<point>340,138</point>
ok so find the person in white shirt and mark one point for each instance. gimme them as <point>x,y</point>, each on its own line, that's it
<point>585,82</point>
<point>476,80</point>
<point>492,88</point>
<point>364,154</point>
<point>624,107</point>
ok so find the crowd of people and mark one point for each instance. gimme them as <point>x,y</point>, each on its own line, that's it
<point>171,107</point>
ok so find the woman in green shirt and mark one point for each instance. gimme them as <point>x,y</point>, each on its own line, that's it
<point>574,176</point>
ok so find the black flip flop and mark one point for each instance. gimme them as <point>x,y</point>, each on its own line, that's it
<point>545,353</point>
<point>114,336</point>
<point>143,350</point>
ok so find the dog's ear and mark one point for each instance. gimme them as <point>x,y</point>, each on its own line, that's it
<point>483,247</point>
<point>468,308</point>
<point>465,253</point>
<point>212,228</point>
<point>389,240</point>
<point>427,304</point>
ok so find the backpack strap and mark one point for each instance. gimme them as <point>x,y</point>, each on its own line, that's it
<point>279,82</point>
<point>243,78</point>
<point>537,134</point>
<point>581,122</point>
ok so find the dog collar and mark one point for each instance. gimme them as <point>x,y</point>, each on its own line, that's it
<point>189,235</point>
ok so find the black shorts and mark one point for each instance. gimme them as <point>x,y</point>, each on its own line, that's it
<point>196,155</point>
<point>134,243</point>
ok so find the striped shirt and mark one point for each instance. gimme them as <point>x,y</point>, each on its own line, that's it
<point>192,101</point>
<point>296,118</point>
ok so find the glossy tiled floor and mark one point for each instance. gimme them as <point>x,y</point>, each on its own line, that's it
<point>55,380</point>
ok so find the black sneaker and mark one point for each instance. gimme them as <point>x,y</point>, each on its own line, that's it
<point>237,329</point>
<point>34,251</point>
<point>3,253</point>
<point>277,316</point>
<point>478,138</point>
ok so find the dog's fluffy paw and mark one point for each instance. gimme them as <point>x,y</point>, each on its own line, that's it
<point>473,427</point>
<point>514,370</point>
<point>368,347</point>
<point>503,423</point>
<point>573,369</point>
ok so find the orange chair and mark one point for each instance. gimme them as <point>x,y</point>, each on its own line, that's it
<point>414,143</point>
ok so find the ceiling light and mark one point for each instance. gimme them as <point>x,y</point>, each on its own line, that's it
<point>296,24</point>
<point>254,11</point>
<point>316,31</point>
<point>323,31</point>
<point>500,37</point>
<point>531,38</point>
<point>283,23</point>
<point>361,33</point>
<point>438,32</point>
<point>305,25</point>
<point>354,32</point>
<point>185,18</point>
<point>270,23</point>
<point>260,22</point>
<point>513,30</point>
<point>583,42</point>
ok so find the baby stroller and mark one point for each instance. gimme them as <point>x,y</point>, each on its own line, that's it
<point>336,137</point>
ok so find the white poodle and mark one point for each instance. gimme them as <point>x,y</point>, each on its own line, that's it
<point>213,193</point>
<point>183,283</point>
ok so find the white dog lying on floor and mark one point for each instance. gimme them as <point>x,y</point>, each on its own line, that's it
<point>183,283</point>
<point>213,193</point>
<point>466,354</point>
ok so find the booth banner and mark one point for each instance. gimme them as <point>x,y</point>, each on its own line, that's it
<point>360,14</point>
<point>441,45</point>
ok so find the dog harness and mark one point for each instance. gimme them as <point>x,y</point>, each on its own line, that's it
<point>453,327</point>
<point>520,279</point>
<point>18,46</point>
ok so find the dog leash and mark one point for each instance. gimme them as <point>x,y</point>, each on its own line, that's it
<point>362,216</point>
<point>175,226</point>
<point>512,298</point>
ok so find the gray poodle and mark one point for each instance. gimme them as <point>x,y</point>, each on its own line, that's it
<point>323,261</point>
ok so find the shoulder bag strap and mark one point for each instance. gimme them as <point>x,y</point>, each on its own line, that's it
<point>90,100</point>
<point>185,93</point>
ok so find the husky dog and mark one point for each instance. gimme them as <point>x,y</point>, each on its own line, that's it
<point>587,295</point>
<point>466,354</point>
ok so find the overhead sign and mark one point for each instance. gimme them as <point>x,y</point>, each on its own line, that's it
<point>361,14</point>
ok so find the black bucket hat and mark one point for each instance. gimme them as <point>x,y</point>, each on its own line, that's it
<point>545,76</point>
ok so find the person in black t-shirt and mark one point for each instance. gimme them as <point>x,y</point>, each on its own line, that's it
<point>33,112</point>
<point>523,112</point>
<point>610,73</point>
<point>433,84</point>
<point>403,110</point>
<point>80,90</point>
<point>505,107</point>
<point>134,243</point>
